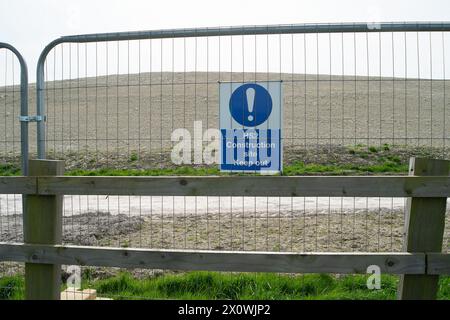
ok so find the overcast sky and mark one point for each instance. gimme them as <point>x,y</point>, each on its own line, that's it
<point>30,24</point>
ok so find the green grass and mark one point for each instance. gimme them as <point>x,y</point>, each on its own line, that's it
<point>297,168</point>
<point>12,288</point>
<point>387,166</point>
<point>363,160</point>
<point>248,286</point>
<point>9,170</point>
<point>134,157</point>
<point>208,285</point>
<point>178,171</point>
<point>381,162</point>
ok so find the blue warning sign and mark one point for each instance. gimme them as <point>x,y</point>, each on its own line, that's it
<point>250,124</point>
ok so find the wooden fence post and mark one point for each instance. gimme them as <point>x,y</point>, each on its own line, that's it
<point>42,224</point>
<point>424,230</point>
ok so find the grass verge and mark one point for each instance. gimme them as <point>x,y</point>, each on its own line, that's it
<point>240,286</point>
<point>352,160</point>
<point>12,288</point>
<point>296,169</point>
<point>7,169</point>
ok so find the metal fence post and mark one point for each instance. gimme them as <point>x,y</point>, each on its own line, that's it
<point>40,106</point>
<point>43,225</point>
<point>424,230</point>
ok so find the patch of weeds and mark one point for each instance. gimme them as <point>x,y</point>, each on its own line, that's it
<point>300,168</point>
<point>251,286</point>
<point>444,288</point>
<point>176,171</point>
<point>394,158</point>
<point>12,288</point>
<point>7,169</point>
<point>239,286</point>
<point>133,157</point>
<point>363,154</point>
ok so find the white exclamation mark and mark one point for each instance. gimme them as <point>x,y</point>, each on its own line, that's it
<point>250,102</point>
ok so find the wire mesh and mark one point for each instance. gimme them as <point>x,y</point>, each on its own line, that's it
<point>10,142</point>
<point>354,103</point>
<point>10,157</point>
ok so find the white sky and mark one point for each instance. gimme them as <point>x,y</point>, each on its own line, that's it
<point>29,25</point>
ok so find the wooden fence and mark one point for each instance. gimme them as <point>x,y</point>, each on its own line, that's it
<point>427,188</point>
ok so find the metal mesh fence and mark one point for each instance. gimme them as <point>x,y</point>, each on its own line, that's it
<point>354,103</point>
<point>10,158</point>
<point>111,102</point>
<point>10,205</point>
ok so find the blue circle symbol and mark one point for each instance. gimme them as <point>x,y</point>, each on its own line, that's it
<point>250,105</point>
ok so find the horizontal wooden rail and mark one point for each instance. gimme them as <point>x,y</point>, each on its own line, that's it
<point>317,186</point>
<point>438,263</point>
<point>342,263</point>
<point>18,185</point>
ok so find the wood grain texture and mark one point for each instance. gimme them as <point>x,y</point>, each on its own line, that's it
<point>392,186</point>
<point>18,185</point>
<point>393,263</point>
<point>438,263</point>
<point>42,223</point>
<point>424,230</point>
<point>347,186</point>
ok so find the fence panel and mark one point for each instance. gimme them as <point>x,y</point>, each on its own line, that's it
<point>13,145</point>
<point>14,134</point>
<point>358,99</point>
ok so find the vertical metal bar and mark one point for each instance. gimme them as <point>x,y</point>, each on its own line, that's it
<point>40,105</point>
